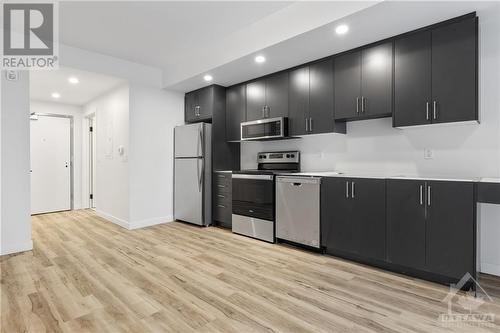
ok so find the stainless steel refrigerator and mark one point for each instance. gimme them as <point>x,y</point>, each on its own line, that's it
<point>193,173</point>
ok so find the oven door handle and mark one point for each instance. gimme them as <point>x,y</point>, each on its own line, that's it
<point>258,177</point>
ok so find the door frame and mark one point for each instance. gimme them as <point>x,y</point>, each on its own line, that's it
<point>33,117</point>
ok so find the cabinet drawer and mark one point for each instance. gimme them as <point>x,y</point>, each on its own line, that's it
<point>222,213</point>
<point>222,197</point>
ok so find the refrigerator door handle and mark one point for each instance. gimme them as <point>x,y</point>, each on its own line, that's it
<point>202,174</point>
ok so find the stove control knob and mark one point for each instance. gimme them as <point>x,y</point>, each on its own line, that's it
<point>292,155</point>
<point>287,155</point>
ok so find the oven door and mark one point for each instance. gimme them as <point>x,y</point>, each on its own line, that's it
<point>253,196</point>
<point>264,129</point>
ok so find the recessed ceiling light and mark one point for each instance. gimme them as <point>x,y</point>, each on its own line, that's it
<point>56,95</point>
<point>208,78</point>
<point>341,29</point>
<point>260,59</point>
<point>73,80</point>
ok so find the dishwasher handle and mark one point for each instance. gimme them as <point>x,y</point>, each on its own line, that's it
<point>298,181</point>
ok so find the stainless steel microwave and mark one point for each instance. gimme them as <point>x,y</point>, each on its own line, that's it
<point>264,129</point>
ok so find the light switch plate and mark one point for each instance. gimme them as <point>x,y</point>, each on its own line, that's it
<point>428,154</point>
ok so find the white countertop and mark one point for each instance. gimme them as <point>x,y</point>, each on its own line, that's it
<point>490,180</point>
<point>386,176</point>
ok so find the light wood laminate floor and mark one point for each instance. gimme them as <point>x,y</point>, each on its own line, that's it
<point>89,275</point>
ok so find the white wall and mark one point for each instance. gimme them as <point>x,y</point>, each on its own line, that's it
<point>77,113</point>
<point>15,220</point>
<point>153,115</point>
<point>112,170</point>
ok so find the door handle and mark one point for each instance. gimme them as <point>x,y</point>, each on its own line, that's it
<point>352,190</point>
<point>357,105</point>
<point>363,104</point>
<point>427,111</point>
<point>263,112</point>
<point>310,124</point>
<point>307,125</point>
<point>429,195</point>
<point>347,190</point>
<point>267,111</point>
<point>434,110</point>
<point>421,195</point>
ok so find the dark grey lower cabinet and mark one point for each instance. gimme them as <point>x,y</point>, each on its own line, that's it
<point>353,217</point>
<point>406,223</point>
<point>451,228</point>
<point>431,227</point>
<point>222,199</point>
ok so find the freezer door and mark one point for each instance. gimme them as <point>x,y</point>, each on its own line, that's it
<point>189,140</point>
<point>188,190</point>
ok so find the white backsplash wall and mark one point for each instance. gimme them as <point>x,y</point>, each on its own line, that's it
<point>374,146</point>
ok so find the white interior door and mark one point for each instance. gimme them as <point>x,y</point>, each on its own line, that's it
<point>50,164</point>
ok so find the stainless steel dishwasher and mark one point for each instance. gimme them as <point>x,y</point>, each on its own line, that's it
<point>298,209</point>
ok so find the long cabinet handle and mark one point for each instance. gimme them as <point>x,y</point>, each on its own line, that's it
<point>310,124</point>
<point>429,195</point>
<point>434,110</point>
<point>421,195</point>
<point>347,190</point>
<point>363,104</point>
<point>352,190</point>
<point>307,125</point>
<point>263,112</point>
<point>357,105</point>
<point>427,111</point>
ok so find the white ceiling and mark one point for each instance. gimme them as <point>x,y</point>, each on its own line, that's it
<point>187,40</point>
<point>91,85</point>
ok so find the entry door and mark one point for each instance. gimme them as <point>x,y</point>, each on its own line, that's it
<point>50,164</point>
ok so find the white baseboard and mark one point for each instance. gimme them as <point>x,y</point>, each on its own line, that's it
<point>492,269</point>
<point>112,219</point>
<point>136,224</point>
<point>150,222</point>
<point>15,248</point>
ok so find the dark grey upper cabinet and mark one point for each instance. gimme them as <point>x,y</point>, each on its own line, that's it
<point>454,71</point>
<point>298,111</point>
<point>256,99</point>
<point>435,75</point>
<point>277,95</point>
<point>406,223</point>
<point>412,80</point>
<point>450,228</point>
<point>190,109</point>
<point>268,97</point>
<point>321,98</point>
<point>363,83</point>
<point>235,111</point>
<point>199,104</point>
<point>376,81</point>
<point>311,100</point>
<point>347,78</point>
